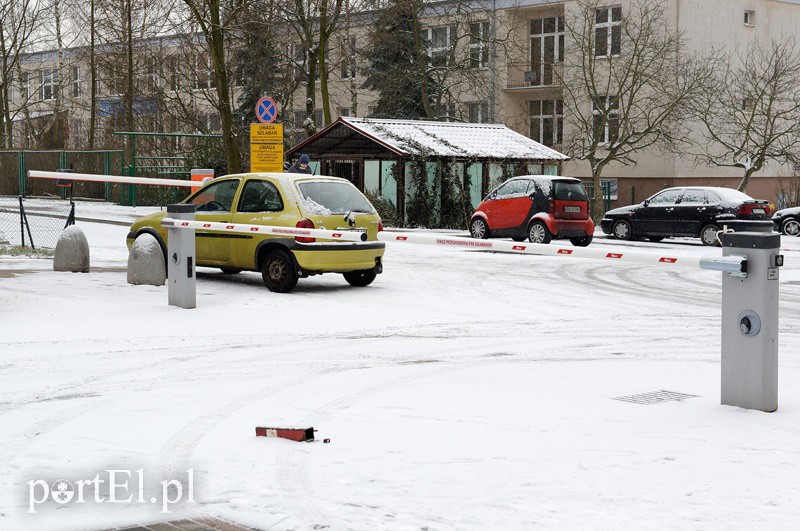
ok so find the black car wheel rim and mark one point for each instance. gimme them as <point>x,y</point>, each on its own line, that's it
<point>791,227</point>
<point>621,230</point>
<point>710,235</point>
<point>537,233</point>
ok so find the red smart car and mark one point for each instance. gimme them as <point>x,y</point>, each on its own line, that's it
<point>537,207</point>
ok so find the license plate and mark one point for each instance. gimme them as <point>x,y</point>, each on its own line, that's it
<point>575,209</point>
<point>759,211</point>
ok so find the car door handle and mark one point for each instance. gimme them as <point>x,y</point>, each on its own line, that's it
<point>701,209</point>
<point>669,209</point>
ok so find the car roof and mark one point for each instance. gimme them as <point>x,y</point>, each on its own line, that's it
<point>286,178</point>
<point>546,178</point>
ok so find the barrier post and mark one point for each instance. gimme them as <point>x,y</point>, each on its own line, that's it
<point>181,276</point>
<point>750,322</point>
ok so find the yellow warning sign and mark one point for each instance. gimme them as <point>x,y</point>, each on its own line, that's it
<point>266,147</point>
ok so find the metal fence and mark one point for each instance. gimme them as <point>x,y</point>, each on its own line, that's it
<point>24,225</point>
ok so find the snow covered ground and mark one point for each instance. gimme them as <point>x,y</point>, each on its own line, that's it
<point>459,391</point>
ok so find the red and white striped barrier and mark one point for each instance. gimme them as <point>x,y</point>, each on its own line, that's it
<point>339,235</point>
<point>731,264</point>
<point>119,179</point>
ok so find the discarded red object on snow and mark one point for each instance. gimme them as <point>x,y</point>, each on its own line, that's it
<point>293,434</point>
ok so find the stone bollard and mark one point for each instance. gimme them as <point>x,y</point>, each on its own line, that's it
<point>146,262</point>
<point>72,251</point>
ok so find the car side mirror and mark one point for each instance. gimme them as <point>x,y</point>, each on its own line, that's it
<point>645,202</point>
<point>493,195</point>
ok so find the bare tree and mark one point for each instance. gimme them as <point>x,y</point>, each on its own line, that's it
<point>624,84</point>
<point>19,21</point>
<point>750,111</point>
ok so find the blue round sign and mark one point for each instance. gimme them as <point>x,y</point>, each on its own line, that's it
<point>266,110</point>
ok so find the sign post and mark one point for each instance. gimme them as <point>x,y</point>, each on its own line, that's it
<point>266,139</point>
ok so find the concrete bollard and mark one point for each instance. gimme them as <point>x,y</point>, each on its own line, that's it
<point>750,322</point>
<point>181,259</point>
<point>72,251</point>
<point>146,262</point>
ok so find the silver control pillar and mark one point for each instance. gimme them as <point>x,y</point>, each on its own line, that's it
<point>750,322</point>
<point>181,259</point>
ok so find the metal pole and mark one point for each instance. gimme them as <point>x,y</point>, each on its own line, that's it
<point>181,277</point>
<point>750,322</point>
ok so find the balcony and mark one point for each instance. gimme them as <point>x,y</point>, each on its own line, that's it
<point>534,75</point>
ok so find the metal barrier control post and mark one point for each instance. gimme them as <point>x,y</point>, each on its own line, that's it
<point>750,322</point>
<point>181,276</point>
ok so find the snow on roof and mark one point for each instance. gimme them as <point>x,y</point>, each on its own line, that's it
<point>452,139</point>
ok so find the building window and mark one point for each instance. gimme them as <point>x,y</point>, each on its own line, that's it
<point>479,45</point>
<point>344,111</point>
<point>348,65</point>
<point>547,121</point>
<point>76,81</point>
<point>605,113</point>
<point>478,112</point>
<point>173,74</point>
<point>607,31</point>
<point>25,89</point>
<point>547,49</point>
<point>440,43</point>
<point>204,72</point>
<point>443,111</point>
<point>749,18</point>
<point>49,84</point>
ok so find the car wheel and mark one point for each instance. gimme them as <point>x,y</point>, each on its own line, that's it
<point>539,233</point>
<point>230,270</point>
<point>655,239</point>
<point>582,241</point>
<point>622,230</point>
<point>479,229</point>
<point>791,227</point>
<point>708,235</point>
<point>278,271</point>
<point>361,278</point>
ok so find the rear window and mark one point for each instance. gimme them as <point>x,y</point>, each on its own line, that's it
<point>729,194</point>
<point>569,191</point>
<point>329,197</point>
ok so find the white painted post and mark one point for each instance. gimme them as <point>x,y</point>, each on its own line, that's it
<point>750,322</point>
<point>181,262</point>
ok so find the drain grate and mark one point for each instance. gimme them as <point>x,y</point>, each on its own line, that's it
<point>654,397</point>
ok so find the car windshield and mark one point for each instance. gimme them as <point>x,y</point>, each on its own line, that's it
<point>570,191</point>
<point>729,194</point>
<point>324,197</point>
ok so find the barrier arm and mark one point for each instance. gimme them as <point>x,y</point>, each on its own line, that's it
<point>119,179</point>
<point>734,265</point>
<point>338,235</point>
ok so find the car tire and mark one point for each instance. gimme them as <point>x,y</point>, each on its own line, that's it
<point>278,271</point>
<point>791,227</point>
<point>622,230</point>
<point>360,278</point>
<point>230,270</point>
<point>655,239</point>
<point>582,241</point>
<point>479,229</point>
<point>539,233</point>
<point>708,235</point>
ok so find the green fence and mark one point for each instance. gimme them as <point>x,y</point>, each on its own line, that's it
<point>606,195</point>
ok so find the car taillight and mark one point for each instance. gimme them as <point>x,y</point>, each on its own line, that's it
<point>552,206</point>
<point>380,226</point>
<point>305,224</point>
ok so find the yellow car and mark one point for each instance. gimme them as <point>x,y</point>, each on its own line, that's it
<point>284,200</point>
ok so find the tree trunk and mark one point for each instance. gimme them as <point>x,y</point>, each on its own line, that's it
<point>93,74</point>
<point>422,60</point>
<point>311,89</point>
<point>129,89</point>
<point>598,206</point>
<point>323,77</point>
<point>746,179</point>
<point>217,47</point>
